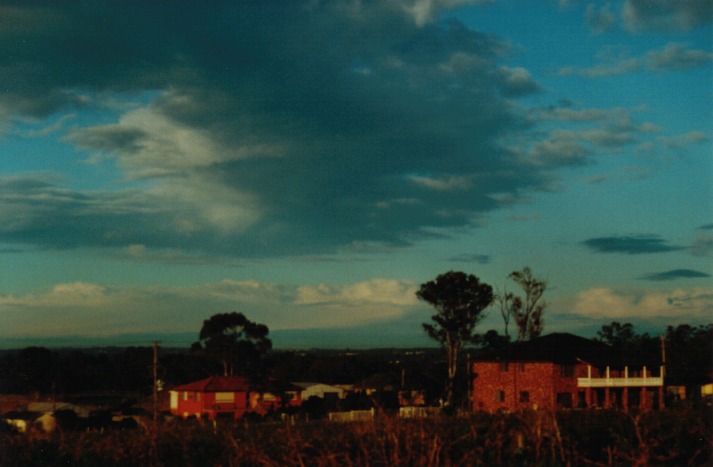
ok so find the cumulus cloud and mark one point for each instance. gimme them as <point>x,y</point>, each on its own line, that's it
<point>85,309</point>
<point>606,303</point>
<point>666,15</point>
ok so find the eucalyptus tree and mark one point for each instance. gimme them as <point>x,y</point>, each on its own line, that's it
<point>459,300</point>
<point>238,343</point>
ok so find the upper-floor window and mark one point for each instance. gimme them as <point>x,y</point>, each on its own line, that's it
<point>522,367</point>
<point>567,370</point>
<point>504,367</point>
<point>500,395</point>
<point>524,396</point>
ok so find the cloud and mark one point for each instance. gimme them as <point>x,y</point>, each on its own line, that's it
<point>85,309</point>
<point>599,20</point>
<point>666,15</point>
<point>470,258</point>
<point>691,304</point>
<point>630,244</point>
<point>294,128</point>
<point>423,11</point>
<point>684,140</point>
<point>673,57</point>
<point>517,82</point>
<point>702,245</point>
<point>675,274</point>
<point>374,291</point>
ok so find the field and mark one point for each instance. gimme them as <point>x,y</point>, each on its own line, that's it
<point>680,436</point>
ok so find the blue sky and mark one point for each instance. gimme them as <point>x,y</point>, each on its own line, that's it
<point>310,163</point>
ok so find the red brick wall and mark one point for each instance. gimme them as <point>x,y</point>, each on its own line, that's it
<point>540,380</point>
<point>193,403</point>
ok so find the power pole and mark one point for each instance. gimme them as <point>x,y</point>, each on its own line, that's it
<point>155,382</point>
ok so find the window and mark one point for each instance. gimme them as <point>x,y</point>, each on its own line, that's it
<point>567,370</point>
<point>500,395</point>
<point>522,367</point>
<point>564,399</point>
<point>504,367</point>
<point>223,397</point>
<point>185,395</point>
<point>524,396</point>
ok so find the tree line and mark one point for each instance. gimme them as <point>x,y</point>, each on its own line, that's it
<point>230,343</point>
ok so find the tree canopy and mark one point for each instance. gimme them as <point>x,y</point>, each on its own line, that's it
<point>459,300</point>
<point>236,341</point>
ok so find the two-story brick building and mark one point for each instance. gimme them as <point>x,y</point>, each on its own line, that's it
<point>563,371</point>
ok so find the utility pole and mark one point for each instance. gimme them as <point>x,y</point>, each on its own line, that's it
<point>155,382</point>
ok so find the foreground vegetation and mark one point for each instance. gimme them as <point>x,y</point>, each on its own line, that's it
<point>680,436</point>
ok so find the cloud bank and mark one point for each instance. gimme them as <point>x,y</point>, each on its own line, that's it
<point>86,309</point>
<point>284,128</point>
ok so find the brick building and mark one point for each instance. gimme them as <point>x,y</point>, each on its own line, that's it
<point>231,396</point>
<point>563,371</point>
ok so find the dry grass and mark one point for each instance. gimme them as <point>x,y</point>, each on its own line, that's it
<point>571,438</point>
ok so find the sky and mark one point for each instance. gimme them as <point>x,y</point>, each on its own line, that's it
<point>310,163</point>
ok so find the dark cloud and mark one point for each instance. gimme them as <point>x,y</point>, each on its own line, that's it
<point>470,258</point>
<point>278,128</point>
<point>706,227</point>
<point>675,274</point>
<point>632,245</point>
<point>666,15</point>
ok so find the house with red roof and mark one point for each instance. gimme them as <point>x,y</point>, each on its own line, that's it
<point>560,371</point>
<point>232,396</point>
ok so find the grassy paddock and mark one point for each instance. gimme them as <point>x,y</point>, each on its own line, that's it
<point>671,437</point>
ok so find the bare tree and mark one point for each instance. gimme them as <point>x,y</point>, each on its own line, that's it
<point>528,310</point>
<point>504,301</point>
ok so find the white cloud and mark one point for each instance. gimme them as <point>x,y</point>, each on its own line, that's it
<point>684,140</point>
<point>423,11</point>
<point>379,291</point>
<point>453,183</point>
<point>672,57</point>
<point>75,294</point>
<point>85,309</point>
<point>608,303</point>
<point>149,143</point>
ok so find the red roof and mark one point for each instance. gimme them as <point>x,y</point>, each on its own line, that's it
<point>216,384</point>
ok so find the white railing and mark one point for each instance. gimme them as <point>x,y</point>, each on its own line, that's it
<point>647,380</point>
<point>619,382</point>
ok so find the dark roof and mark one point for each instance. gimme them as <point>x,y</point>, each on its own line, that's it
<point>216,384</point>
<point>560,348</point>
